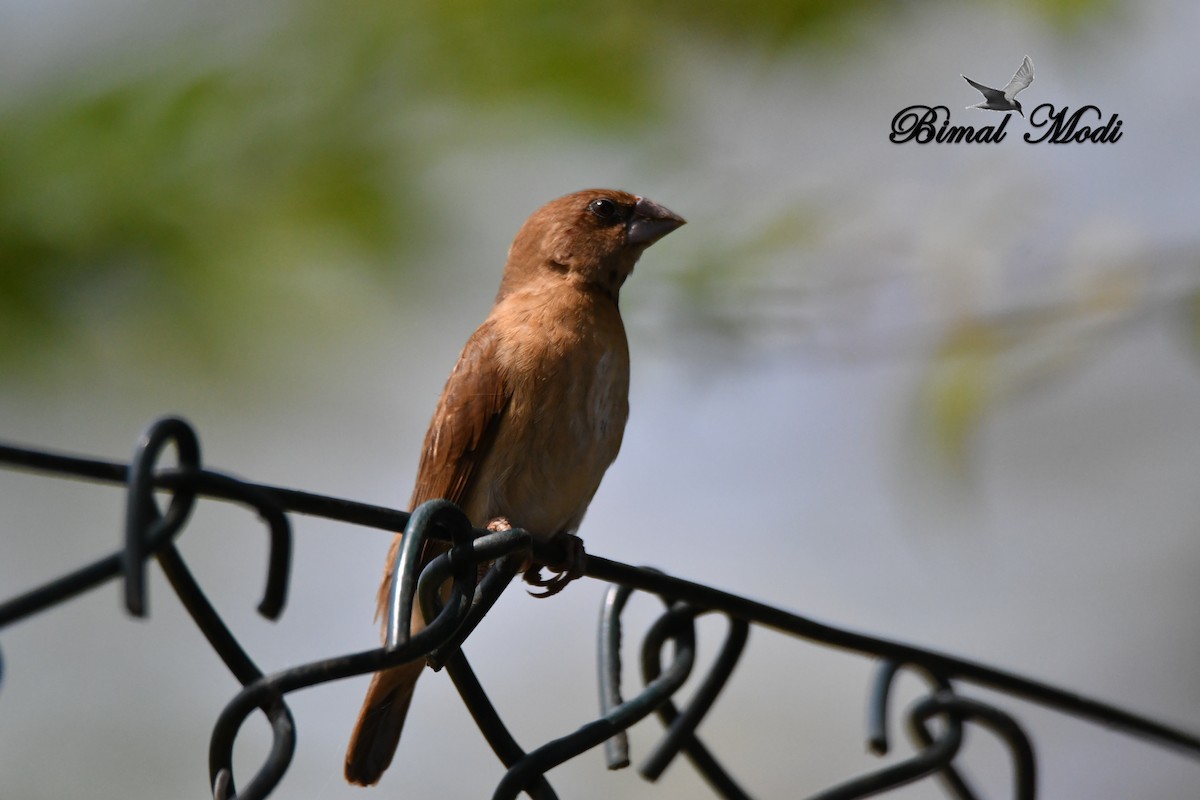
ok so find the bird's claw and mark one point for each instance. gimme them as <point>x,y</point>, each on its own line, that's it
<point>562,572</point>
<point>551,585</point>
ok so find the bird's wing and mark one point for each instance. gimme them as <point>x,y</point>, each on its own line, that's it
<point>463,428</point>
<point>988,92</point>
<point>1020,80</point>
<point>464,423</point>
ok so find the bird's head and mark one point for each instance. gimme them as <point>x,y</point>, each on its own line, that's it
<point>591,238</point>
<point>1017,106</point>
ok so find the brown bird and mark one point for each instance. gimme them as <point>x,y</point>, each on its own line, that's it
<point>532,414</point>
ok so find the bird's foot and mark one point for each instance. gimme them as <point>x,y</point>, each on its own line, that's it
<point>563,570</point>
<point>496,525</point>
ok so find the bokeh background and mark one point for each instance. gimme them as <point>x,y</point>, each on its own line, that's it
<point>948,394</point>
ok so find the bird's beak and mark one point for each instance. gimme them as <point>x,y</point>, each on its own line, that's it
<point>651,222</point>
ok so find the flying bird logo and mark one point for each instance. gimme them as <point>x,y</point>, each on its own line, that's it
<point>930,124</point>
<point>1005,99</point>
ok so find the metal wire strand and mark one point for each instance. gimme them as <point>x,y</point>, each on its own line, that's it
<point>681,728</point>
<point>147,528</point>
<point>677,626</point>
<point>1000,723</point>
<point>937,755</point>
<point>454,612</point>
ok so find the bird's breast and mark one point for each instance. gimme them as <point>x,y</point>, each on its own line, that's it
<point>569,378</point>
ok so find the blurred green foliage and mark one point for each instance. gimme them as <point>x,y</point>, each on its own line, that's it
<point>175,187</point>
<point>960,388</point>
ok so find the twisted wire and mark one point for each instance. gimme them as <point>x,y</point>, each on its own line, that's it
<point>667,655</point>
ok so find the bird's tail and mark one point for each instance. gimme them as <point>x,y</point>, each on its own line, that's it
<point>380,722</point>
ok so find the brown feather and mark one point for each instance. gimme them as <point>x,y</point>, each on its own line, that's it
<point>535,408</point>
<point>373,743</point>
<point>458,438</point>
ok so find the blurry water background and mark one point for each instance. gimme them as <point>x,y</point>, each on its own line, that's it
<point>945,393</point>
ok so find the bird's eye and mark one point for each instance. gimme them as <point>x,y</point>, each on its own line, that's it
<point>603,208</point>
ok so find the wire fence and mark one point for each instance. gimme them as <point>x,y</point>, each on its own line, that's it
<point>667,652</point>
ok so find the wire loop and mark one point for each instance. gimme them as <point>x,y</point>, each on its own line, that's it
<point>456,588</point>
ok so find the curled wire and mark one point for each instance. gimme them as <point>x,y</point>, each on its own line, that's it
<point>937,753</point>
<point>147,528</point>
<point>951,667</point>
<point>150,531</point>
<point>411,583</point>
<point>676,626</point>
<point>1000,723</point>
<point>681,727</point>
